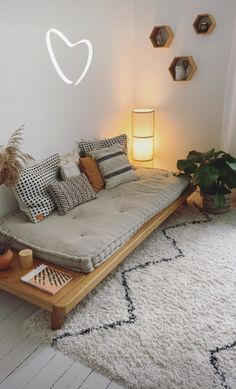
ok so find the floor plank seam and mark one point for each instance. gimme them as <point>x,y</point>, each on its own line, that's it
<point>15,345</point>
<point>20,364</point>
<point>39,371</point>
<point>64,372</point>
<point>11,312</point>
<point>85,379</point>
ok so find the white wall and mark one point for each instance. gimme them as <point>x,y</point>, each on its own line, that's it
<point>126,71</point>
<point>189,114</point>
<point>56,114</point>
<point>229,120</point>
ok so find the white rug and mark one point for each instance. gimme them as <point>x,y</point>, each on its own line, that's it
<point>167,317</point>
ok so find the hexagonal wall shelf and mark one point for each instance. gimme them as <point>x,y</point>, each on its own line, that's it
<point>182,68</point>
<point>161,36</point>
<point>204,24</point>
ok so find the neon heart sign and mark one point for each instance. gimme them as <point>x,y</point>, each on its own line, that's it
<point>69,44</point>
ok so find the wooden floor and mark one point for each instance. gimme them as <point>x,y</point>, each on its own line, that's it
<point>25,362</point>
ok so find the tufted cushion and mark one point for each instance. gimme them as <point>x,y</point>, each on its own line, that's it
<point>68,194</point>
<point>87,235</point>
<point>114,165</point>
<point>31,189</point>
<point>86,146</point>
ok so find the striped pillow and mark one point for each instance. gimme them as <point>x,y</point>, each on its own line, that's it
<point>114,166</point>
<point>71,193</point>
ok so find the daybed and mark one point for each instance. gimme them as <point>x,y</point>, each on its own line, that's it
<point>104,230</point>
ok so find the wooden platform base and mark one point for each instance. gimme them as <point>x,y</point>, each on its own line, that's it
<point>68,297</point>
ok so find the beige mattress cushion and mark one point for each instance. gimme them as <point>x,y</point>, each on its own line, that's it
<point>87,235</point>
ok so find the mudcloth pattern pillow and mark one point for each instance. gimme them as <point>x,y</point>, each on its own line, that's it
<point>71,193</point>
<point>114,166</point>
<point>86,146</point>
<point>31,189</point>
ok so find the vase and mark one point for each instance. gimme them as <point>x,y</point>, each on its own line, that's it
<point>179,73</point>
<point>5,260</point>
<point>208,203</point>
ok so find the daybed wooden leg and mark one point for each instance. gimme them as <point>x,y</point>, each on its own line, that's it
<point>57,319</point>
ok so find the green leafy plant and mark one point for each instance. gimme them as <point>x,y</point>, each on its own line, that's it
<point>5,244</point>
<point>213,171</point>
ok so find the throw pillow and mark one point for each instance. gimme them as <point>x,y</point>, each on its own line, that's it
<point>86,146</point>
<point>114,166</point>
<point>69,170</point>
<point>72,156</point>
<point>89,167</point>
<point>71,193</point>
<point>69,165</point>
<point>31,189</point>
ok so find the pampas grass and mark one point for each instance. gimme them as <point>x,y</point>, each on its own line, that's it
<point>13,159</point>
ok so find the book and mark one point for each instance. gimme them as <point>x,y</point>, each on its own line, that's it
<point>47,278</point>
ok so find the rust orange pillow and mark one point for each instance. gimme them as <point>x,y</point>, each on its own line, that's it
<point>89,167</point>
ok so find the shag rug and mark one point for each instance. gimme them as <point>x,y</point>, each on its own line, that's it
<point>166,318</point>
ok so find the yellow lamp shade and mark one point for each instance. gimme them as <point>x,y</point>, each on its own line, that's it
<point>143,149</point>
<point>143,124</point>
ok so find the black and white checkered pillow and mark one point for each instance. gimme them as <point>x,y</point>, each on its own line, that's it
<point>71,193</point>
<point>86,146</point>
<point>31,189</point>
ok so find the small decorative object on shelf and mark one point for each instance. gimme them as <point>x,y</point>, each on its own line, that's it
<point>161,36</point>
<point>179,72</point>
<point>6,255</point>
<point>204,24</point>
<point>182,68</point>
<point>215,174</point>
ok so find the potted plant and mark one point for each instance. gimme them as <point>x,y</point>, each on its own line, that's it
<point>6,255</point>
<point>215,174</point>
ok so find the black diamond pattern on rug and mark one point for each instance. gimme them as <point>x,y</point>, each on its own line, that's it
<point>130,304</point>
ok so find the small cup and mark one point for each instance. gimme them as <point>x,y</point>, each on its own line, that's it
<point>26,258</point>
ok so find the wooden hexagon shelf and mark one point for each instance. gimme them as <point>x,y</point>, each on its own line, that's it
<point>161,36</point>
<point>182,68</point>
<point>204,24</point>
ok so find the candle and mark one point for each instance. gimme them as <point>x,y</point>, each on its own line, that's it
<point>26,258</point>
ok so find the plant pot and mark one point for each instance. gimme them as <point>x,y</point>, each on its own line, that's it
<point>208,203</point>
<point>5,260</point>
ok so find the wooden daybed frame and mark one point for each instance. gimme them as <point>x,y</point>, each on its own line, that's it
<point>81,285</point>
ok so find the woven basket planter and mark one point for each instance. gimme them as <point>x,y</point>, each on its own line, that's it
<point>208,203</point>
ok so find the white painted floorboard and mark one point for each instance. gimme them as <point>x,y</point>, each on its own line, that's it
<point>73,378</point>
<point>25,362</point>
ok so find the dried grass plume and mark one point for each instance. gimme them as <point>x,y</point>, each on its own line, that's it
<point>13,159</point>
